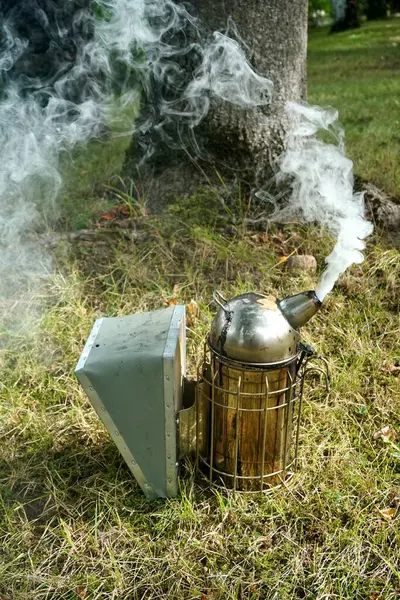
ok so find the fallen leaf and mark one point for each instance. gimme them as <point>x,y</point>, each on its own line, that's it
<point>192,310</point>
<point>81,593</point>
<point>283,259</point>
<point>124,210</point>
<point>391,369</point>
<point>387,513</point>
<point>386,433</point>
<point>174,298</point>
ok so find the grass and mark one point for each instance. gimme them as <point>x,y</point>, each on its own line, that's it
<point>84,174</point>
<point>357,72</point>
<point>88,167</point>
<point>73,523</point>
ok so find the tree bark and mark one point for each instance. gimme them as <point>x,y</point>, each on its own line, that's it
<point>346,15</point>
<point>235,141</point>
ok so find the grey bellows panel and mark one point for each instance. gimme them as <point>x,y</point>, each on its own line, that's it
<point>132,369</point>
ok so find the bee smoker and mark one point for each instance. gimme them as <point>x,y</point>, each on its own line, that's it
<point>238,419</point>
<point>249,390</point>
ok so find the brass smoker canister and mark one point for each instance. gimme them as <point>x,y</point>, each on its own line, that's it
<point>249,390</point>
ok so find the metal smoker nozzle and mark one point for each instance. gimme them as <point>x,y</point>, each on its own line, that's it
<point>299,309</point>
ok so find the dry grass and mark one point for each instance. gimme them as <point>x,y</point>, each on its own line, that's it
<point>73,524</point>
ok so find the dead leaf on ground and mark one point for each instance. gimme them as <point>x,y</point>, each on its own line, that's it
<point>174,298</point>
<point>386,433</point>
<point>192,311</point>
<point>391,369</point>
<point>115,213</point>
<point>193,308</point>
<point>122,210</point>
<point>387,513</point>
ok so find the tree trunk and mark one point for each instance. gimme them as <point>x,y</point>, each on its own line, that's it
<point>376,9</point>
<point>346,15</point>
<point>234,141</point>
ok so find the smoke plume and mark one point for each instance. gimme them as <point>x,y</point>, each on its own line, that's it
<point>66,68</point>
<point>321,179</point>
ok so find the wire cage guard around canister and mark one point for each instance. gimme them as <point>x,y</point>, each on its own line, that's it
<point>248,419</point>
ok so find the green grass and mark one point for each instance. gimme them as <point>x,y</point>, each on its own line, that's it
<point>89,167</point>
<point>357,71</point>
<point>73,523</point>
<point>84,176</point>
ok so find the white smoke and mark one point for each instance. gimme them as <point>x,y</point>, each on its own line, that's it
<point>224,73</point>
<point>98,63</point>
<point>321,179</point>
<point>95,65</point>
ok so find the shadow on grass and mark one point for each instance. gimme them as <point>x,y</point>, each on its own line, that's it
<point>69,482</point>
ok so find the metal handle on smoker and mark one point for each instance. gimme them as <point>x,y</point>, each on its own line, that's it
<point>308,353</point>
<point>217,297</point>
